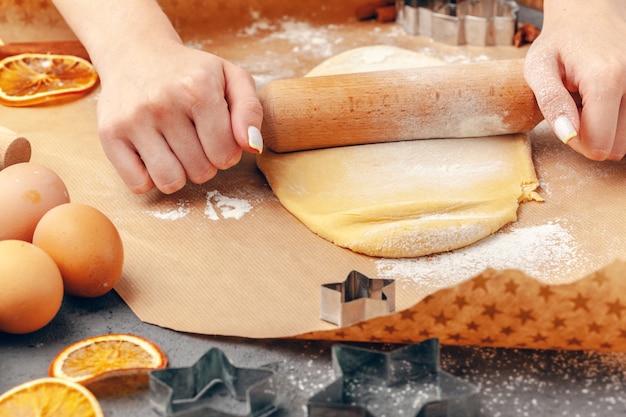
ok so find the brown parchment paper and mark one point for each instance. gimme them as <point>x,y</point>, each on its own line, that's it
<point>225,258</point>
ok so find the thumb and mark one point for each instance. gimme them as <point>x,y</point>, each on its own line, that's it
<point>246,112</point>
<point>544,76</point>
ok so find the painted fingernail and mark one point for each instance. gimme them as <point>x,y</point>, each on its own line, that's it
<point>564,129</point>
<point>255,140</point>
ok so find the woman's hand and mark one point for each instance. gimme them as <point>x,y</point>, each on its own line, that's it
<point>166,113</point>
<point>176,113</point>
<point>582,49</point>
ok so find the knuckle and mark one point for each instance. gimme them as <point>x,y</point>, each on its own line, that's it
<point>172,185</point>
<point>612,70</point>
<point>141,187</point>
<point>252,105</point>
<point>192,89</point>
<point>549,101</point>
<point>137,183</point>
<point>607,77</point>
<point>225,160</point>
<point>202,175</point>
<point>111,127</point>
<point>156,103</point>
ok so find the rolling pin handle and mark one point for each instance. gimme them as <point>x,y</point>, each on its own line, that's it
<point>14,149</point>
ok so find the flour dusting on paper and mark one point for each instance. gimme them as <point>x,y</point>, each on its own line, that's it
<point>308,38</point>
<point>218,206</point>
<point>228,207</point>
<point>179,212</point>
<point>259,25</point>
<point>304,36</point>
<point>542,252</point>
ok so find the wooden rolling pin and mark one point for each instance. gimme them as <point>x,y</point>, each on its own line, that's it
<point>13,148</point>
<point>464,100</point>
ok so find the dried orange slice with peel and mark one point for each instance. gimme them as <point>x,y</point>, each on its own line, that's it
<point>30,79</point>
<point>50,397</point>
<point>109,364</point>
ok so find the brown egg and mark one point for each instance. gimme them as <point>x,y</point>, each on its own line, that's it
<point>85,245</point>
<point>28,191</point>
<point>31,287</point>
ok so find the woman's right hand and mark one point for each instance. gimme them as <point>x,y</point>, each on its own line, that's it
<point>172,113</point>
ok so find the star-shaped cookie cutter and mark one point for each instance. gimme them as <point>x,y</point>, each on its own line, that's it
<point>460,22</point>
<point>213,387</point>
<point>356,299</point>
<point>407,381</point>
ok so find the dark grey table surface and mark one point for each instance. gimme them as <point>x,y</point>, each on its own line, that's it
<point>512,382</point>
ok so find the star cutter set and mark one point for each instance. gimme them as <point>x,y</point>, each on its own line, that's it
<point>356,299</point>
<point>214,387</point>
<point>407,381</point>
<point>460,22</point>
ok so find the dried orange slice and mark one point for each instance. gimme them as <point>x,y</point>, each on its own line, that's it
<point>109,364</point>
<point>49,397</point>
<point>29,79</point>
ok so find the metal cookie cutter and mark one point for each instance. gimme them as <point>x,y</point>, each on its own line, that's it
<point>460,22</point>
<point>404,382</point>
<point>213,387</point>
<point>356,299</point>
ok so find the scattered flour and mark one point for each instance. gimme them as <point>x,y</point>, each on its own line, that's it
<point>218,206</point>
<point>196,44</point>
<point>179,212</point>
<point>304,36</point>
<point>459,57</point>
<point>262,25</point>
<point>262,80</point>
<point>527,382</point>
<point>294,39</point>
<point>307,38</point>
<point>540,251</point>
<point>230,208</point>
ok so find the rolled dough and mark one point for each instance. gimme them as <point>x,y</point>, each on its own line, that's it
<point>403,199</point>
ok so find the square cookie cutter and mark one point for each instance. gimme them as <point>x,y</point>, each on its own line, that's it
<point>213,387</point>
<point>407,381</point>
<point>357,298</point>
<point>460,22</point>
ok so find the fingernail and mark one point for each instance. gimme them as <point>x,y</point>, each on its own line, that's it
<point>255,140</point>
<point>564,129</point>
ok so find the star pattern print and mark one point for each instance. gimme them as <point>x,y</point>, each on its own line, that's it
<point>508,309</point>
<point>30,14</point>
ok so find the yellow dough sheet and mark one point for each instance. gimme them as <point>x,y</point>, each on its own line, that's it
<point>406,199</point>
